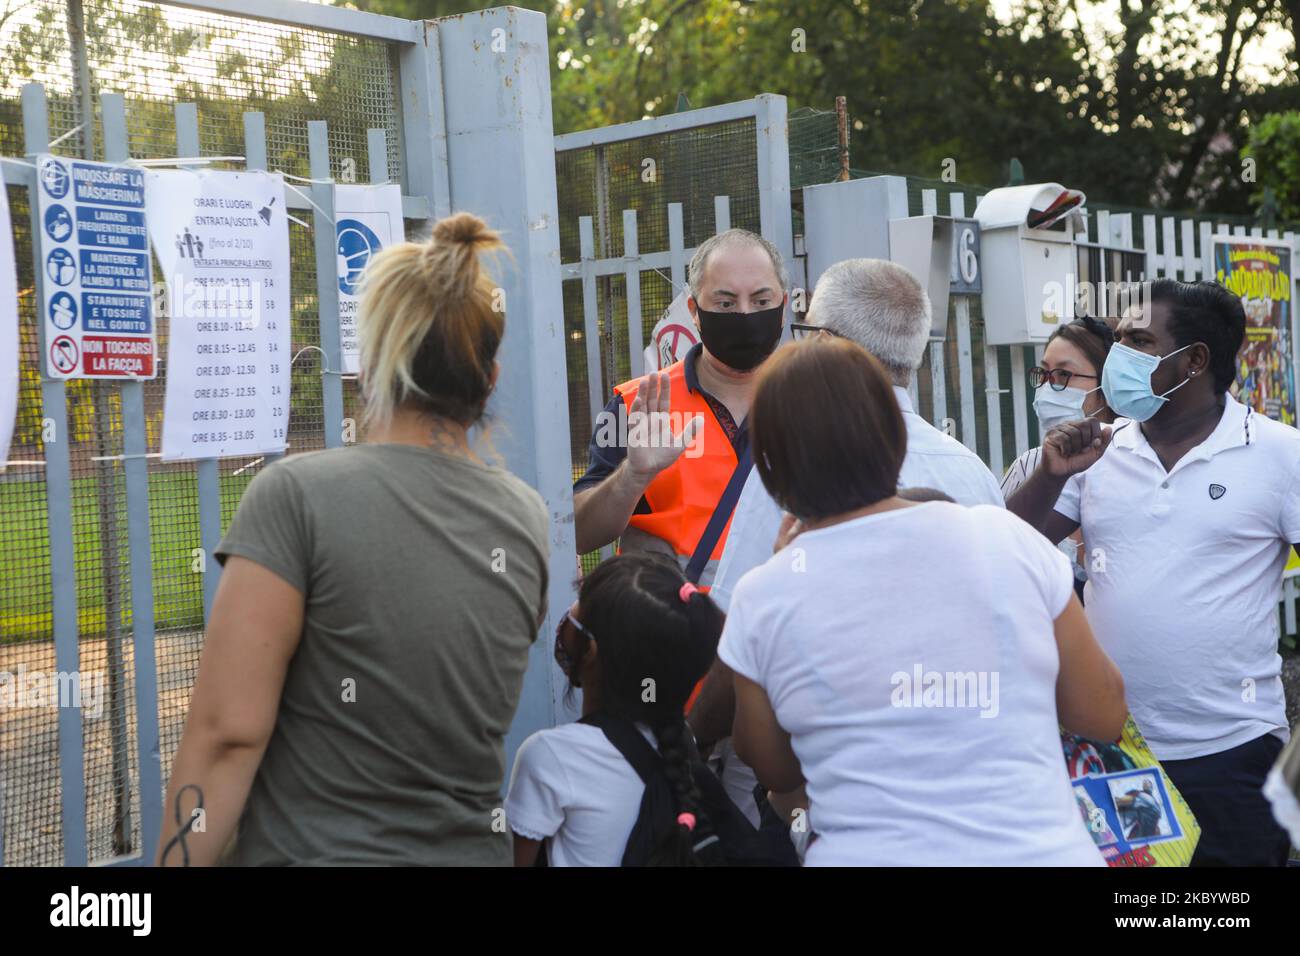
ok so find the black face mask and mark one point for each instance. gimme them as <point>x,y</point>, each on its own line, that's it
<point>741,340</point>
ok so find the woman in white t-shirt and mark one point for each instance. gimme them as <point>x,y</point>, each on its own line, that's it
<point>908,662</point>
<point>638,640</point>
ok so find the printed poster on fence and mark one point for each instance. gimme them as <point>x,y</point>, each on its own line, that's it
<point>223,241</point>
<point>367,219</point>
<point>98,279</point>
<point>1132,811</point>
<point>672,337</point>
<point>1260,272</point>
<point>8,331</point>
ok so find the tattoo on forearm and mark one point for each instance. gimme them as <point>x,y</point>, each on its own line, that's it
<point>186,825</point>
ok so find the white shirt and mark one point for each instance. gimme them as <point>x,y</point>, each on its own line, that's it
<point>1024,466</point>
<point>836,628</point>
<point>933,460</point>
<point>571,787</point>
<point>1017,475</point>
<point>1185,575</point>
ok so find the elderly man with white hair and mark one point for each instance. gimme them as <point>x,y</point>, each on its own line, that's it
<point>882,307</point>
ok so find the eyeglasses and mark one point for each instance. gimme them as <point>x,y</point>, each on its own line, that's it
<point>802,330</point>
<point>561,655</point>
<point>1058,378</point>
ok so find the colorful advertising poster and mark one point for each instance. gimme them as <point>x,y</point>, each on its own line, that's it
<point>366,219</point>
<point>223,242</point>
<point>1260,272</point>
<point>1127,803</point>
<point>98,284</point>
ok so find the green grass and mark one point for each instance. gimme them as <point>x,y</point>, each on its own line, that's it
<point>25,581</point>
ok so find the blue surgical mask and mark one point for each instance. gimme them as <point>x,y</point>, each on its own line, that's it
<point>1053,407</point>
<point>1126,382</point>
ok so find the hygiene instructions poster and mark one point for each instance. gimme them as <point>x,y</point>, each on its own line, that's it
<point>98,279</point>
<point>1260,272</point>
<point>366,219</point>
<point>223,241</point>
<point>8,331</point>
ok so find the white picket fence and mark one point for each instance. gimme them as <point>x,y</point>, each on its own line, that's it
<point>630,266</point>
<point>1174,247</point>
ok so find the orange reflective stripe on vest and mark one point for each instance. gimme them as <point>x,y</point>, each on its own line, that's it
<point>684,495</point>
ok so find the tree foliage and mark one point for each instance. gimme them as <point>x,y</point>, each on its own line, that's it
<point>1275,147</point>
<point>1136,101</point>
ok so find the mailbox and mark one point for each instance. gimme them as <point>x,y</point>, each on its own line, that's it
<point>923,246</point>
<point>867,219</point>
<point>850,220</point>
<point>1028,261</point>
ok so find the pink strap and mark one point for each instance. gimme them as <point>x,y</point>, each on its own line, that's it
<point>687,820</point>
<point>686,591</point>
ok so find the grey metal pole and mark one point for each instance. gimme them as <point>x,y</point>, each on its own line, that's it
<point>327,282</point>
<point>58,504</point>
<point>207,470</point>
<point>102,393</point>
<point>135,445</point>
<point>500,149</point>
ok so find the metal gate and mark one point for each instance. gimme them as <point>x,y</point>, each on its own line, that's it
<point>105,552</point>
<point>635,201</point>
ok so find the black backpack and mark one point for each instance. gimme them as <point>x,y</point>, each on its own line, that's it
<point>741,843</point>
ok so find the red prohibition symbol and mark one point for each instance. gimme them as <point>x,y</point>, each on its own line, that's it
<point>64,354</point>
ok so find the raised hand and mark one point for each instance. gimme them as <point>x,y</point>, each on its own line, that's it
<point>652,445</point>
<point>1072,447</point>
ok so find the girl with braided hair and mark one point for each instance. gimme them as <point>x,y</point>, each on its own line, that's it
<point>636,642</point>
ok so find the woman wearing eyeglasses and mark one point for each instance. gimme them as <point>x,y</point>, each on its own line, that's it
<point>1067,387</point>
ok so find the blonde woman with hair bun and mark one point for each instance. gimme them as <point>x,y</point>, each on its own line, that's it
<point>367,646</point>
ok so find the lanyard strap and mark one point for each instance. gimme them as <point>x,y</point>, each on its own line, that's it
<point>721,514</point>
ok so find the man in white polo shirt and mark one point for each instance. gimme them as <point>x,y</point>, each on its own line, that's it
<point>1188,512</point>
<point>882,307</point>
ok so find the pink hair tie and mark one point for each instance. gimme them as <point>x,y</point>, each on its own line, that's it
<point>687,820</point>
<point>686,591</point>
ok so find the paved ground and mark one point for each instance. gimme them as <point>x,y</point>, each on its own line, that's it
<point>29,748</point>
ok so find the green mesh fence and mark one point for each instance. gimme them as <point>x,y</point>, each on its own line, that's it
<point>156,56</point>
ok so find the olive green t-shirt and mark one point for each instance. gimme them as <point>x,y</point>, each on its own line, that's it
<point>425,578</point>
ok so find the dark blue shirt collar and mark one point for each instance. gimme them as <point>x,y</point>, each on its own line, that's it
<point>688,363</point>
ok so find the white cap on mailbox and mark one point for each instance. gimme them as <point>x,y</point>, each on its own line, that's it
<point>1037,206</point>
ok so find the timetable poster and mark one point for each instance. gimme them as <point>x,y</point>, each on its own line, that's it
<point>223,241</point>
<point>98,282</point>
<point>1260,272</point>
<point>367,219</point>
